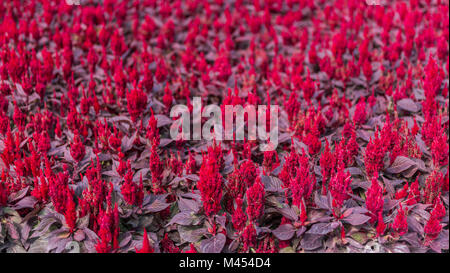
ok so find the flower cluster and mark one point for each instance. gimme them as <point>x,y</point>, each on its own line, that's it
<point>87,159</point>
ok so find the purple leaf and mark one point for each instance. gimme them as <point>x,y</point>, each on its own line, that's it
<point>311,241</point>
<point>407,105</point>
<point>289,213</point>
<point>284,232</point>
<point>18,195</point>
<point>214,244</point>
<point>79,235</point>
<point>400,164</point>
<point>183,218</point>
<point>356,219</point>
<point>188,205</point>
<point>27,202</point>
<point>323,228</point>
<point>13,230</point>
<point>271,184</point>
<point>321,201</point>
<point>156,206</point>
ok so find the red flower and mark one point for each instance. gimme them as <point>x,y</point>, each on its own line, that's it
<point>40,191</point>
<point>291,163</point>
<point>136,103</point>
<point>156,168</point>
<point>239,218</point>
<point>152,129</point>
<point>413,194</point>
<point>168,246</point>
<point>146,247</point>
<point>168,98</point>
<point>400,225</point>
<point>248,237</point>
<point>360,114</point>
<point>439,150</point>
<point>302,185</point>
<point>191,249</point>
<point>210,185</point>
<point>374,199</point>
<point>77,149</point>
<point>255,200</point>
<point>132,193</point>
<point>312,140</point>
<point>4,194</point>
<point>374,155</point>
<point>339,187</point>
<point>433,227</point>
<point>270,161</point>
<point>433,186</point>
<point>70,213</point>
<point>381,226</point>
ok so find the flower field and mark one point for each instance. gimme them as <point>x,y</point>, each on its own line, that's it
<point>87,160</point>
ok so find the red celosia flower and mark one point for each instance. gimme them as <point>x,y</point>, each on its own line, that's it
<point>270,161</point>
<point>291,163</point>
<point>367,70</point>
<point>58,186</point>
<point>236,187</point>
<point>248,172</point>
<point>302,185</point>
<point>255,200</point>
<point>44,142</point>
<point>433,227</point>
<point>152,129</point>
<point>309,88</point>
<point>374,155</point>
<point>108,233</point>
<point>381,226</point>
<point>403,192</point>
<point>191,164</point>
<point>374,199</point>
<point>168,246</point>
<point>70,213</point>
<point>77,149</point>
<point>431,128</point>
<point>156,168</point>
<point>132,193</point>
<point>439,209</point>
<point>248,237</point>
<point>303,215</point>
<point>191,249</point>
<point>4,194</point>
<point>146,247</point>
<point>136,103</point>
<point>292,106</point>
<point>19,117</point>
<point>241,179</point>
<point>433,186</point>
<point>360,114</point>
<point>351,149</point>
<point>400,225</point>
<point>40,191</point>
<point>312,140</point>
<point>339,188</point>
<point>210,185</point>
<point>239,218</point>
<point>413,193</point>
<point>168,98</point>
<point>439,150</point>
